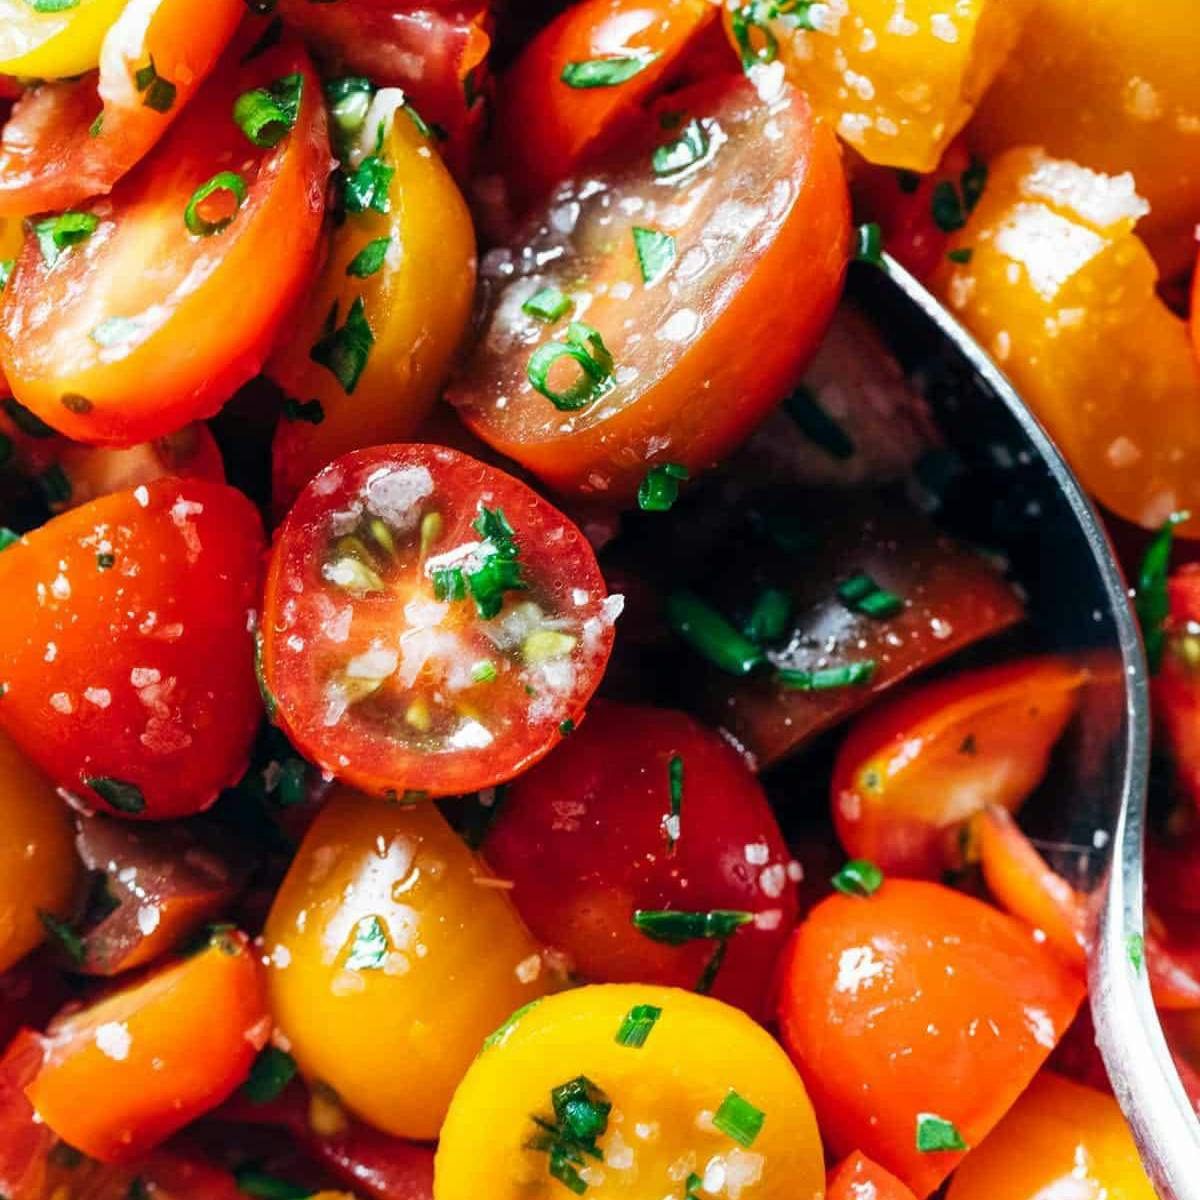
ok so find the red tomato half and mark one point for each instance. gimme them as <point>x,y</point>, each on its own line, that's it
<point>1177,685</point>
<point>73,139</point>
<point>928,758</point>
<point>915,1009</point>
<point>431,625</point>
<point>858,1178</point>
<point>545,124</point>
<point>127,651</point>
<point>94,341</point>
<point>696,275</point>
<point>588,837</point>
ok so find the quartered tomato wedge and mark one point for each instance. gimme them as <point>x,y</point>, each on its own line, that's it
<point>73,139</point>
<point>927,759</point>
<point>56,40</point>
<point>581,78</point>
<point>653,312</point>
<point>431,624</point>
<point>206,247</point>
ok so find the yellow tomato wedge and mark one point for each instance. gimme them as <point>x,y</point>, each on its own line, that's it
<point>662,1084</point>
<point>57,42</point>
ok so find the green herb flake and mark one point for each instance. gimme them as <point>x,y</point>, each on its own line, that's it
<point>369,950</point>
<point>935,1133</point>
<point>586,347</point>
<point>370,258</point>
<point>345,350</point>
<point>116,793</point>
<point>636,1026</point>
<point>605,72</point>
<point>675,927</point>
<point>97,126</point>
<point>65,935</point>
<point>566,727</point>
<point>56,234</point>
<point>266,115</point>
<point>691,148</point>
<point>951,204</point>
<point>817,425</point>
<point>858,878</point>
<point>659,489</point>
<point>310,411</point>
<point>868,244</point>
<point>52,6</point>
<point>6,270</point>
<point>826,678</point>
<point>710,635</point>
<point>263,1186</point>
<point>655,253</point>
<point>272,1071</point>
<point>581,1111</point>
<point>223,183</point>
<point>157,93</point>
<point>770,617</point>
<point>499,570</point>
<point>739,1119</point>
<point>962,255</point>
<point>449,583</point>
<point>483,671</point>
<point>349,98</point>
<point>1135,951</point>
<point>8,538</point>
<point>367,188</point>
<point>547,304</point>
<point>862,594</point>
<point>1151,601</point>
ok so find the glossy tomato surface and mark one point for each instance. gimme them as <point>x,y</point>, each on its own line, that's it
<point>663,355</point>
<point>128,653</point>
<point>430,623</point>
<point>645,809</point>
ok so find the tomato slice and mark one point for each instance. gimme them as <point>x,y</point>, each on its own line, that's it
<point>546,124</point>
<point>925,760</point>
<point>397,658</point>
<point>858,1178</point>
<point>66,141</point>
<point>968,994</point>
<point>127,655</point>
<point>105,365</point>
<point>588,837</point>
<point>161,1052</point>
<point>670,344</point>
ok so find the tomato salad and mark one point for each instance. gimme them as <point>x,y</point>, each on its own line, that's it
<point>483,704</point>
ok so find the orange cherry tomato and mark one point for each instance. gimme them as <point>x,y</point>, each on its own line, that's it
<point>975,1003</point>
<point>127,655</point>
<point>72,139</point>
<point>929,757</point>
<point>1059,1139</point>
<point>160,1052</point>
<point>90,341</point>
<point>431,624</point>
<point>858,1178</point>
<point>668,345</point>
<point>551,111</point>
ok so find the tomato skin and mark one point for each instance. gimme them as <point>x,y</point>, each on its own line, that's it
<point>302,662</point>
<point>547,128</point>
<point>1059,1138</point>
<point>920,966</point>
<point>581,835</point>
<point>171,705</point>
<point>903,778</point>
<point>31,991</point>
<point>738,363</point>
<point>452,960</point>
<point>51,160</point>
<point>162,1051</point>
<point>1176,687</point>
<point>858,1178</point>
<point>223,296</point>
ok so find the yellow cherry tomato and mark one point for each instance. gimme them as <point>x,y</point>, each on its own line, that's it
<point>38,867</point>
<point>1114,86</point>
<point>897,79</point>
<point>1059,1139</point>
<point>695,1087</point>
<point>392,955</point>
<point>412,270</point>
<point>53,44</point>
<point>1062,293</point>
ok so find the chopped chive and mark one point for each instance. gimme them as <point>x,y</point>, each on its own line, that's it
<point>585,345</point>
<point>55,234</point>
<point>1150,601</point>
<point>817,425</point>
<point>605,72</point>
<point>423,127</point>
<point>712,968</point>
<point>157,93</point>
<point>862,594</point>
<point>739,1119</point>
<point>311,411</point>
<point>229,182</point>
<point>97,126</point>
<point>858,878</point>
<point>1135,950</point>
<point>935,1133</point>
<point>272,1071</point>
<point>691,147</point>
<point>826,678</point>
<point>449,583</point>
<point>691,1186</point>
<point>368,187</point>
<point>65,935</point>
<point>369,950</point>
<point>547,304</point>
<point>710,635</point>
<point>963,254</point>
<point>868,244</point>
<point>636,1026</point>
<point>484,671</point>
<point>52,6</point>
<point>655,253</point>
<point>370,258</point>
<point>266,115</point>
<point>769,618</point>
<point>345,350</point>
<point>116,793</point>
<point>675,927</point>
<point>659,490</point>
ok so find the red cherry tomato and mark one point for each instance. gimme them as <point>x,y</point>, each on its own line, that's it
<point>658,351</point>
<point>588,838</point>
<point>431,624</point>
<point>546,124</point>
<point>69,140</point>
<point>31,992</point>
<point>858,1178</point>
<point>127,654</point>
<point>917,1011</point>
<point>1176,687</point>
<point>90,333</point>
<point>928,758</point>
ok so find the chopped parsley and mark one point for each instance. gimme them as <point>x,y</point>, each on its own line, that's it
<point>581,1111</point>
<point>369,950</point>
<point>367,188</point>
<point>266,115</point>
<point>1151,601</point>
<point>116,793</point>
<point>935,1133</point>
<point>655,253</point>
<point>344,349</point>
<point>636,1026</point>
<point>370,258</point>
<point>272,1071</point>
<point>499,569</point>
<point>739,1119</point>
<point>586,347</point>
<point>157,93</point>
<point>605,72</point>
<point>659,490</point>
<point>951,204</point>
<point>858,878</point>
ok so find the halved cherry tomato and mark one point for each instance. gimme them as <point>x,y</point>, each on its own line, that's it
<point>588,837</point>
<point>31,992</point>
<point>699,1089</point>
<point>1059,1139</point>
<point>127,651</point>
<point>668,345</point>
<point>104,365</point>
<point>1176,687</point>
<point>929,757</point>
<point>391,956</point>
<point>160,1052</point>
<point>1196,309</point>
<point>426,234</point>
<point>915,1012</point>
<point>51,41</point>
<point>431,624</point>
<point>583,77</point>
<point>70,140</point>
<point>858,1178</point>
